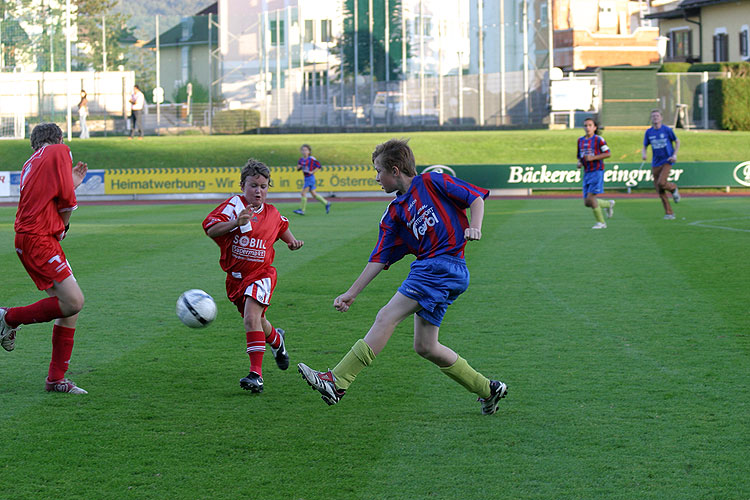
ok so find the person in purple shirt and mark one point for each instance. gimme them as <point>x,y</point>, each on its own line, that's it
<point>427,219</point>
<point>663,155</point>
<point>309,164</point>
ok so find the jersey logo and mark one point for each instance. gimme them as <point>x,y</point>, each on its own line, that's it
<point>425,220</point>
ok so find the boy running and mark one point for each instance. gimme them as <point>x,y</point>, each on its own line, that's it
<point>309,164</point>
<point>592,150</point>
<point>427,219</point>
<point>663,156</point>
<point>245,227</point>
<point>48,183</point>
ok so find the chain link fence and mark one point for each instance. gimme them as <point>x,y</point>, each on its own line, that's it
<point>688,100</point>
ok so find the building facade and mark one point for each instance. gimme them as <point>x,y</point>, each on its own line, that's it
<point>705,30</point>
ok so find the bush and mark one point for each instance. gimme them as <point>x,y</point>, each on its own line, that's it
<point>734,107</point>
<point>736,69</point>
<point>674,67</point>
<point>200,93</point>
<point>236,121</point>
<point>701,67</point>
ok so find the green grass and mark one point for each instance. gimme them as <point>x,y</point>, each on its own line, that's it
<point>524,146</point>
<point>625,351</point>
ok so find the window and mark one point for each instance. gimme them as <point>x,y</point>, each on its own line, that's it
<point>277,33</point>
<point>275,84</point>
<point>721,47</point>
<point>309,26</point>
<point>744,49</point>
<point>426,25</point>
<point>680,45</point>
<point>325,30</point>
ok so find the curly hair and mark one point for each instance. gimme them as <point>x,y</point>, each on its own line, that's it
<point>45,133</point>
<point>252,168</point>
<point>396,153</point>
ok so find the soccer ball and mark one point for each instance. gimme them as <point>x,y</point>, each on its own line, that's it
<point>196,308</point>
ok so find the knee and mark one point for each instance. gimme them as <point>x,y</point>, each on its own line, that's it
<point>423,348</point>
<point>72,305</point>
<point>252,324</point>
<point>384,318</point>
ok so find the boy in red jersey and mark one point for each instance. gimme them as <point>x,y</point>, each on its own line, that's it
<point>48,183</point>
<point>245,227</point>
<point>592,150</point>
<point>427,219</point>
<point>309,164</point>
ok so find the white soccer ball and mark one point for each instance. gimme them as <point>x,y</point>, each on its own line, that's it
<point>196,308</point>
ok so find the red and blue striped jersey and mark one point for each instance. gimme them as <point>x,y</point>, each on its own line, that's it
<point>428,220</point>
<point>594,145</point>
<point>308,165</point>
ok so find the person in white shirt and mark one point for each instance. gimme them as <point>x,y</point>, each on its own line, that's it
<point>83,113</point>
<point>137,100</point>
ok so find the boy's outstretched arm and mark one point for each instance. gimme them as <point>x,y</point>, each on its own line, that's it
<point>345,300</point>
<point>474,231</point>
<point>292,242</point>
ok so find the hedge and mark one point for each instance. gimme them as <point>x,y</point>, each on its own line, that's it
<point>236,121</point>
<point>734,108</point>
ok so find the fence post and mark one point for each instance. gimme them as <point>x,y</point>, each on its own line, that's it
<point>705,99</point>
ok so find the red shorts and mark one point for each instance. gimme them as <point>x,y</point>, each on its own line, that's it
<point>258,286</point>
<point>43,258</point>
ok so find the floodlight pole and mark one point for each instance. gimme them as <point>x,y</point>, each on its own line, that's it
<point>104,43</point>
<point>158,73</point>
<point>69,118</point>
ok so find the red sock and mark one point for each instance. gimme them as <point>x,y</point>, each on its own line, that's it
<point>62,348</point>
<point>256,346</point>
<point>38,312</point>
<point>274,339</point>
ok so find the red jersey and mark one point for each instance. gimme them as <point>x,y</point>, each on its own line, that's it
<point>46,190</point>
<point>247,251</point>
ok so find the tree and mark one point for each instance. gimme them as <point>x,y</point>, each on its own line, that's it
<point>91,17</point>
<point>345,45</point>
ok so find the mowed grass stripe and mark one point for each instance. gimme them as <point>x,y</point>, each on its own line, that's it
<point>607,398</point>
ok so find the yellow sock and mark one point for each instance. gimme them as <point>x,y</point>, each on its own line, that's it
<point>351,364</point>
<point>472,380</point>
<point>303,203</point>
<point>321,199</point>
<point>598,214</point>
<point>603,203</point>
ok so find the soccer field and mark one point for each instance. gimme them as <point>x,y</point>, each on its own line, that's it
<point>625,350</point>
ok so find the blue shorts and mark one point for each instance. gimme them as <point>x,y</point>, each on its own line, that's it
<point>310,183</point>
<point>593,182</point>
<point>435,283</point>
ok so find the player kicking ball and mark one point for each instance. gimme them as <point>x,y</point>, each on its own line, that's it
<point>245,227</point>
<point>427,219</point>
<point>48,184</point>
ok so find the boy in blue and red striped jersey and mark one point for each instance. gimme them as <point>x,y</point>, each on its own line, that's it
<point>427,219</point>
<point>309,164</point>
<point>592,150</point>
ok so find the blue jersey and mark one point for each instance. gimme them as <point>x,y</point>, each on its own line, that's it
<point>661,140</point>
<point>427,220</point>
<point>594,145</point>
<point>308,165</point>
